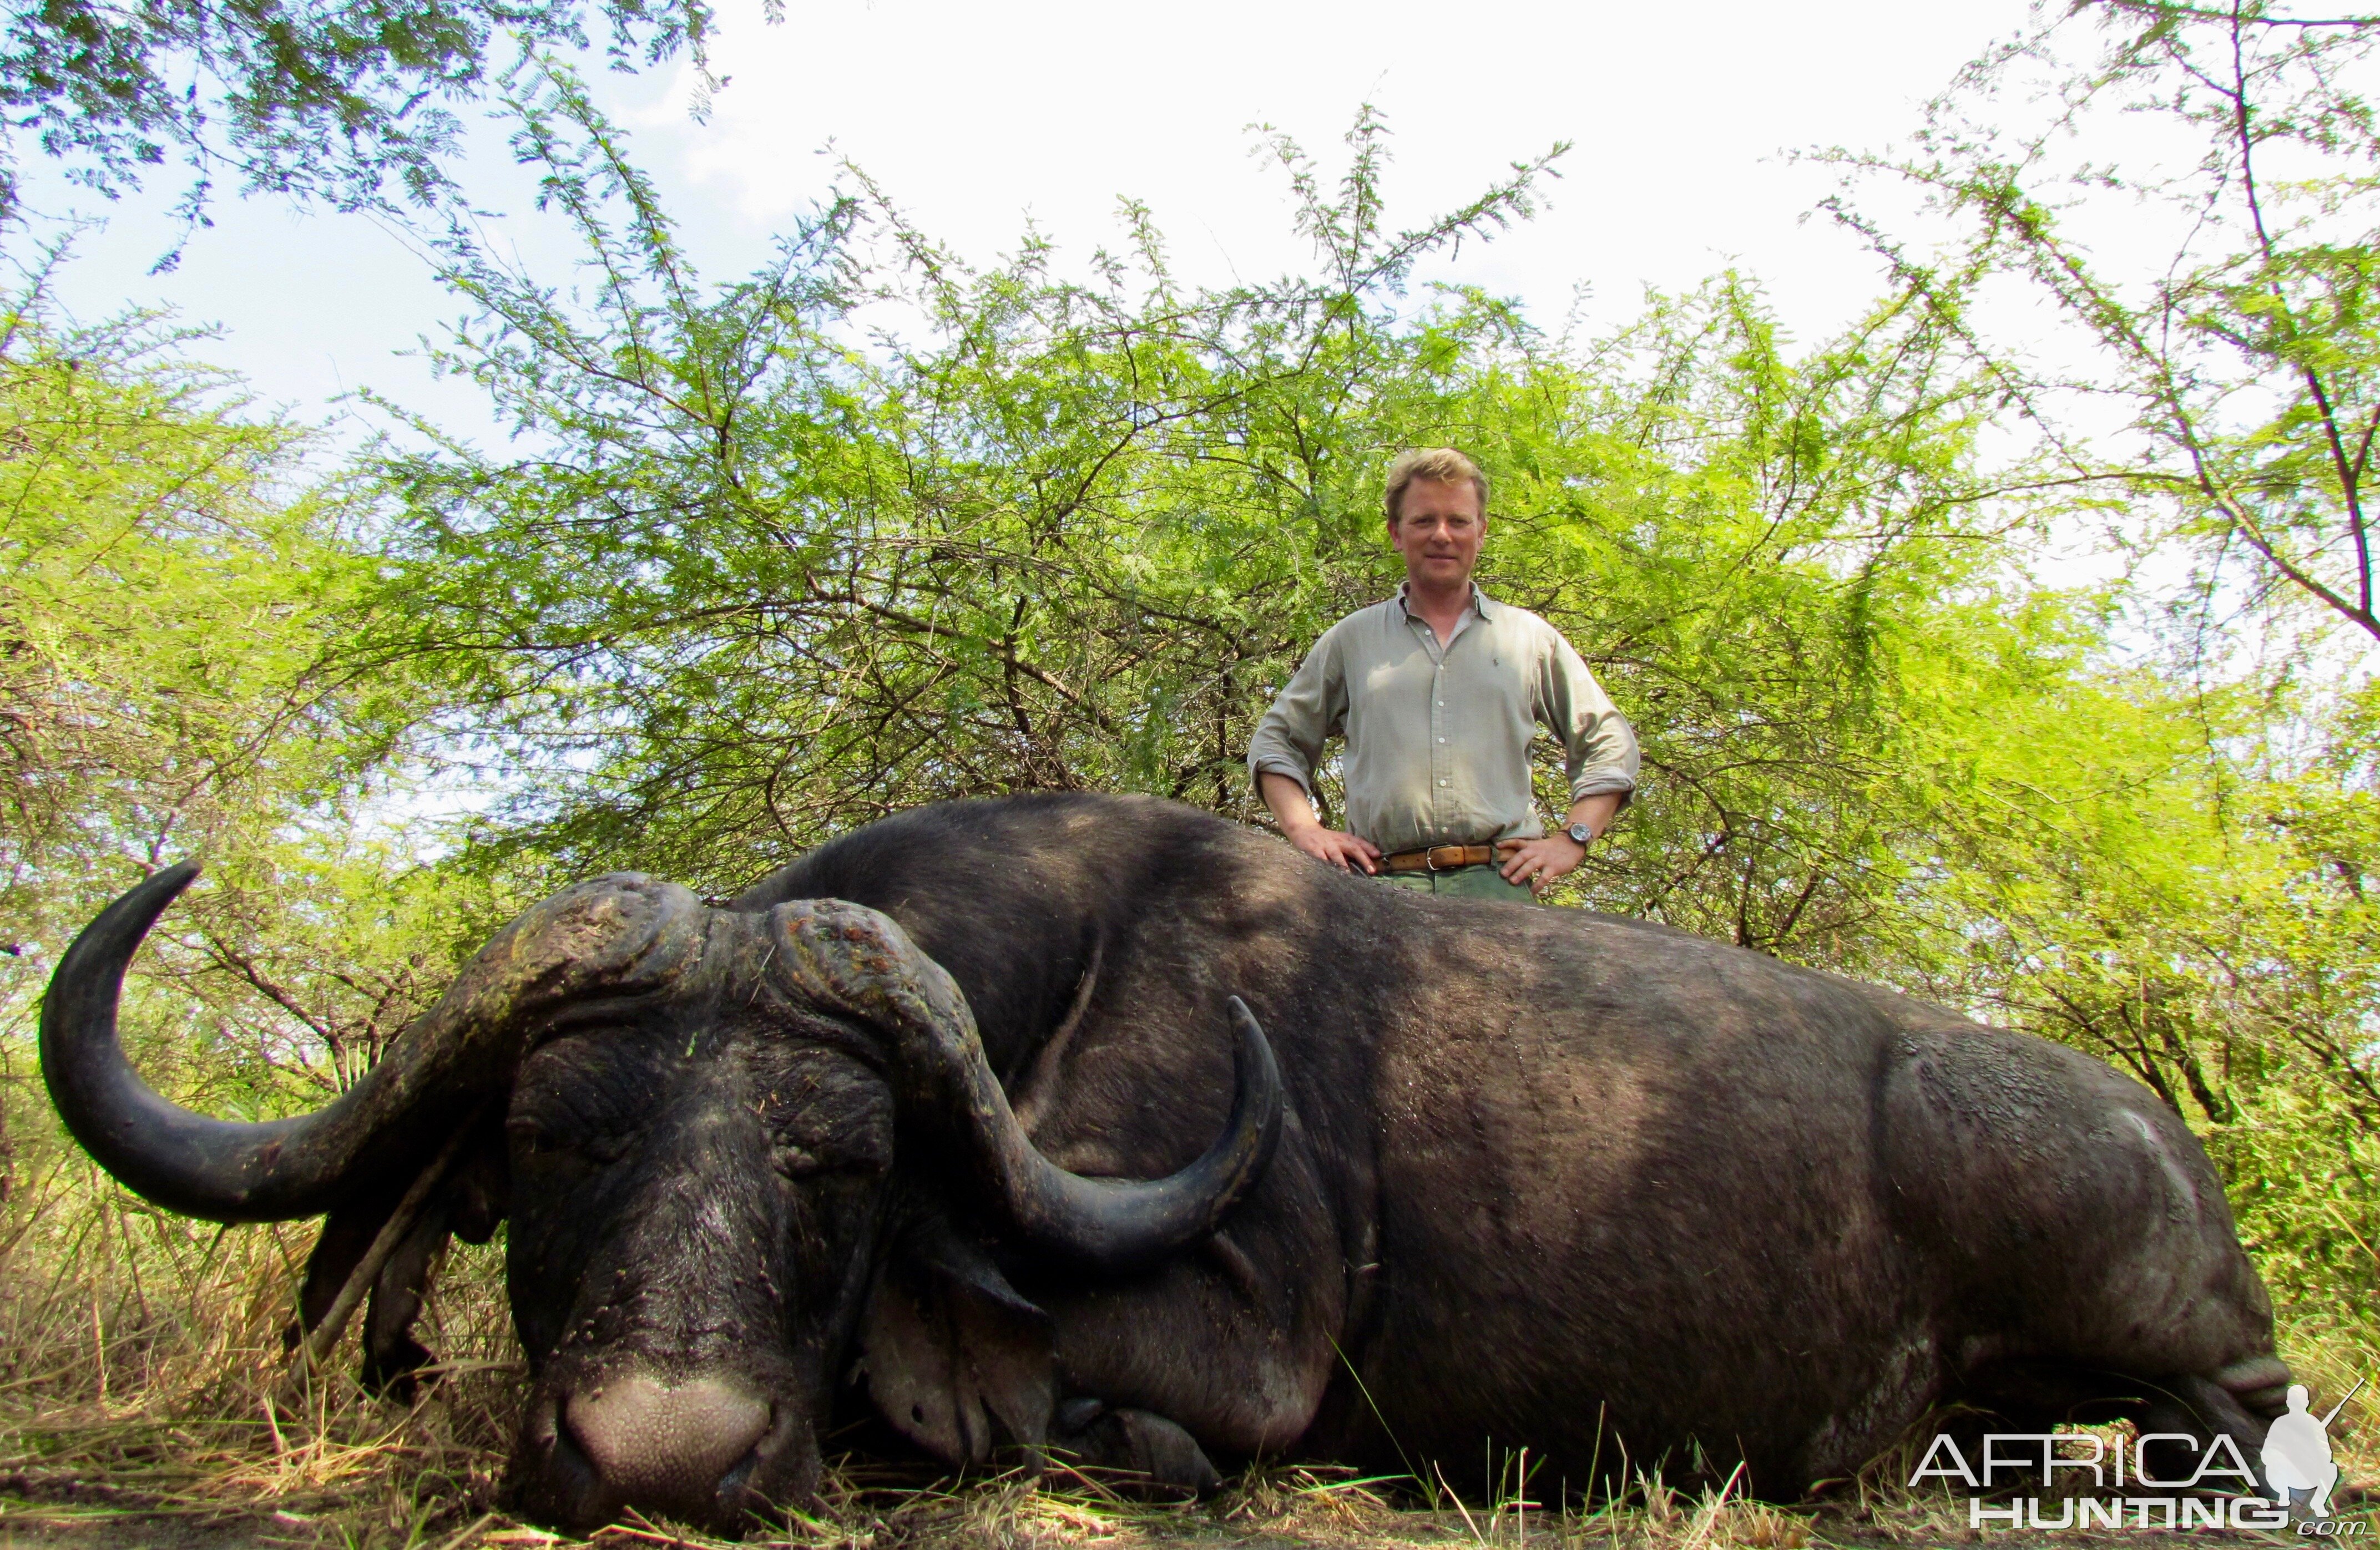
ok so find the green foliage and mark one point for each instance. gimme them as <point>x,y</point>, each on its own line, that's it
<point>763,577</point>
<point>159,604</point>
<point>2217,276</point>
<point>170,580</point>
<point>2198,915</point>
<point>335,102</point>
<point>2171,865</point>
<point>760,575</point>
<point>167,592</point>
<point>1787,569</point>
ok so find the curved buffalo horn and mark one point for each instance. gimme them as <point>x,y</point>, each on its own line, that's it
<point>855,960</point>
<point>612,933</point>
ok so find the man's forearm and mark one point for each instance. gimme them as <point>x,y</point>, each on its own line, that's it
<point>1596,811</point>
<point>1291,810</point>
<point>1302,827</point>
<point>1537,864</point>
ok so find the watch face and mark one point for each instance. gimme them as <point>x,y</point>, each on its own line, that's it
<point>1580,834</point>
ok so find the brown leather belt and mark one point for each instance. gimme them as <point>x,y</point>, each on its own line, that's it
<point>1440,858</point>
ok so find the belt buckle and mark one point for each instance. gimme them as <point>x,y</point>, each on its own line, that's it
<point>1430,859</point>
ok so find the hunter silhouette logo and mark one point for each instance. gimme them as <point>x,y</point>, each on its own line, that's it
<point>2297,1451</point>
<point>2186,1473</point>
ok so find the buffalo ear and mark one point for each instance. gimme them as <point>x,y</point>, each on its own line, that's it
<point>390,1353</point>
<point>957,1359</point>
<point>478,1192</point>
<point>468,1204</point>
<point>346,1234</point>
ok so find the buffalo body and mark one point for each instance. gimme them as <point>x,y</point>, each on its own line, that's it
<point>1491,1177</point>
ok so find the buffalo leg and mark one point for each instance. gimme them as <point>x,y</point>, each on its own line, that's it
<point>1227,1342</point>
<point>2261,1383</point>
<point>1135,1442</point>
<point>2206,1412</point>
<point>2186,1413</point>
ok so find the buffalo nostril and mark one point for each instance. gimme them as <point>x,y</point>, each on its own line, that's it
<point>666,1443</point>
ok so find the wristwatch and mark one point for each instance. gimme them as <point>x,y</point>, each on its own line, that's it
<point>1580,834</point>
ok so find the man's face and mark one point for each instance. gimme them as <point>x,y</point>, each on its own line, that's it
<point>1437,530</point>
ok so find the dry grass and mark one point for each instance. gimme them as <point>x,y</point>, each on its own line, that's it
<point>137,1351</point>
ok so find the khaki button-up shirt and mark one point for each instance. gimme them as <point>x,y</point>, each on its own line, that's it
<point>1437,737</point>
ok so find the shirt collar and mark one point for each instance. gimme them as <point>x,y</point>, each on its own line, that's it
<point>1478,601</point>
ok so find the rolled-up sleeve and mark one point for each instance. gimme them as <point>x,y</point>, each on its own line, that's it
<point>1598,745</point>
<point>1312,707</point>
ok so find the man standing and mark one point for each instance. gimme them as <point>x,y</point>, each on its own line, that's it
<point>1438,691</point>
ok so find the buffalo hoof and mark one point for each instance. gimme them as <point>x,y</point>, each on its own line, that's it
<point>2260,1384</point>
<point>390,1372</point>
<point>1151,1452</point>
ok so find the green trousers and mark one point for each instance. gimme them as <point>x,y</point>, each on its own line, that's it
<point>1463,882</point>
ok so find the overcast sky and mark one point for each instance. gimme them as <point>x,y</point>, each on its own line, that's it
<point>977,116</point>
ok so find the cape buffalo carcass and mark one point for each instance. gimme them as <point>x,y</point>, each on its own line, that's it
<point>965,1115</point>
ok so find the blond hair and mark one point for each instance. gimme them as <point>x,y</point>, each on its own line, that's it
<point>1439,466</point>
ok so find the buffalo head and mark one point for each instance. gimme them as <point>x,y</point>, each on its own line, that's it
<point>704,1127</point>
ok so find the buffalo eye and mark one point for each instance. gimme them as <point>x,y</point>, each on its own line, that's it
<point>536,1138</point>
<point>794,1162</point>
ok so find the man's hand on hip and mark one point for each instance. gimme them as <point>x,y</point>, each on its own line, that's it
<point>1301,827</point>
<point>1340,850</point>
<point>1540,862</point>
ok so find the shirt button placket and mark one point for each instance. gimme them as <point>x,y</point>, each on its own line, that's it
<point>1440,762</point>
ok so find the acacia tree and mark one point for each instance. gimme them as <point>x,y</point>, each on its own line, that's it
<point>768,582</point>
<point>750,577</point>
<point>2190,189</point>
<point>2191,186</point>
<point>349,102</point>
<point>169,589</point>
